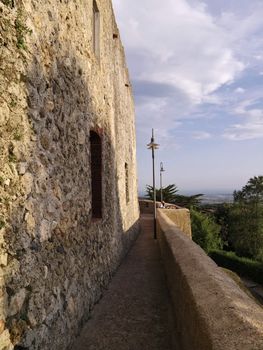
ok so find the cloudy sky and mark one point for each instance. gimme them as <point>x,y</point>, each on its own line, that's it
<point>197,73</point>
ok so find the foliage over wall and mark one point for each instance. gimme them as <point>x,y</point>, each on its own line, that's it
<point>243,266</point>
<point>205,231</point>
<point>246,220</point>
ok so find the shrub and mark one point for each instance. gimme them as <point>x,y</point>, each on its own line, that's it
<point>243,266</point>
<point>205,231</point>
<point>246,229</point>
<point>21,31</point>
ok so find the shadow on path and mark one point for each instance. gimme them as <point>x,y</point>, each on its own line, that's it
<point>135,313</point>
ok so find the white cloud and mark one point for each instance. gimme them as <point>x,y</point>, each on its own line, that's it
<point>189,61</point>
<point>201,135</point>
<point>183,44</point>
<point>180,45</point>
<point>240,90</point>
<point>245,31</point>
<point>245,131</point>
<point>251,127</point>
<point>154,113</point>
<point>241,108</point>
<point>248,109</point>
<point>180,55</point>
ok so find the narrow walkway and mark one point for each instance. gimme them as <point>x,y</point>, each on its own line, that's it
<point>135,313</point>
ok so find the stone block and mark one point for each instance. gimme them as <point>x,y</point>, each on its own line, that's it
<point>31,223</point>
<point>45,140</point>
<point>81,137</point>
<point>21,168</point>
<point>3,259</point>
<point>17,302</point>
<point>71,306</point>
<point>7,182</point>
<point>45,232</point>
<point>27,182</point>
<point>2,326</point>
<point>5,342</point>
<point>4,113</point>
<point>45,272</point>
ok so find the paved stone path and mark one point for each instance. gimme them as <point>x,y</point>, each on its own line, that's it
<point>135,313</point>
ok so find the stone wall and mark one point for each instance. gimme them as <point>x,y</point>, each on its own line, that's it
<point>181,218</point>
<point>146,206</point>
<point>55,259</point>
<point>211,311</point>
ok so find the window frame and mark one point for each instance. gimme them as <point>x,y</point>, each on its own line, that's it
<point>96,170</point>
<point>96,29</point>
<point>127,187</point>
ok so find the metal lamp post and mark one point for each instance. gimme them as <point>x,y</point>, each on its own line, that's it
<point>161,180</point>
<point>153,146</point>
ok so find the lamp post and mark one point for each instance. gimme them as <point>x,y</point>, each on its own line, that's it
<point>161,180</point>
<point>153,146</point>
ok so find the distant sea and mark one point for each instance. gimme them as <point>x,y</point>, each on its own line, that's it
<point>208,198</point>
<point>217,198</point>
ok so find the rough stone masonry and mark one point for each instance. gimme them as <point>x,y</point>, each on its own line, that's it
<point>62,76</point>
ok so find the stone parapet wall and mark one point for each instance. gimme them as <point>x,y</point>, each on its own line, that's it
<point>146,206</point>
<point>55,259</point>
<point>181,218</point>
<point>211,311</point>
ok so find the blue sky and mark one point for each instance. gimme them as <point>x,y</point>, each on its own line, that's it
<point>197,74</point>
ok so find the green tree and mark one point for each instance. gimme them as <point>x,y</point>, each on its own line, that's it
<point>254,188</point>
<point>169,193</point>
<point>170,196</point>
<point>246,220</point>
<point>205,231</point>
<point>238,196</point>
<point>188,201</point>
<point>252,191</point>
<point>222,217</point>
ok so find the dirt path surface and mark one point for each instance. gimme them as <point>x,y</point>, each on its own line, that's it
<point>134,314</point>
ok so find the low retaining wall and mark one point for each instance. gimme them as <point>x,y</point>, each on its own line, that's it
<point>211,311</point>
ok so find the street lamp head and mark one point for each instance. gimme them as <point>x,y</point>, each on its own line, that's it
<point>153,145</point>
<point>161,167</point>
